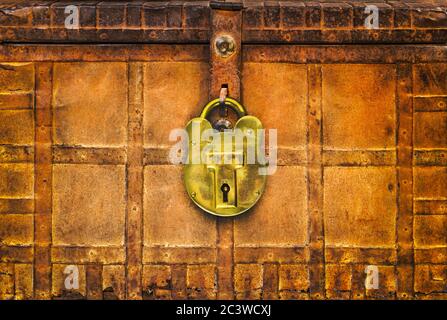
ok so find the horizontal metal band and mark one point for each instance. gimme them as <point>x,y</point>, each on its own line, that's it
<point>103,53</point>
<point>179,255</point>
<point>189,22</point>
<point>345,54</point>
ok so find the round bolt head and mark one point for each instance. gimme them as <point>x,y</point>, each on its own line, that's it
<point>225,46</point>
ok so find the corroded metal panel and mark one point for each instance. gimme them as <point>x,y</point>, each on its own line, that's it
<point>85,178</point>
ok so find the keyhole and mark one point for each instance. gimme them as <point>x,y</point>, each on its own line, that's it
<point>225,189</point>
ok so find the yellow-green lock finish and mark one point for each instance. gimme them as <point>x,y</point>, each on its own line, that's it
<point>224,189</point>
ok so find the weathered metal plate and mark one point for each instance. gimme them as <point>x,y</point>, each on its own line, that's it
<point>85,178</point>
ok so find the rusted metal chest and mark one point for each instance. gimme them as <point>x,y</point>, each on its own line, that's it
<point>85,116</point>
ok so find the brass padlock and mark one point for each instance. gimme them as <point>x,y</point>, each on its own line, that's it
<point>222,174</point>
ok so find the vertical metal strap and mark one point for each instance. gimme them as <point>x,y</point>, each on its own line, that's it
<point>225,67</point>
<point>404,222</point>
<point>43,181</point>
<point>134,169</point>
<point>225,70</point>
<point>315,182</point>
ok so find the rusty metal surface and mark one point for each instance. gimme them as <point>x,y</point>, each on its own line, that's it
<point>190,22</point>
<point>85,178</point>
<point>315,255</point>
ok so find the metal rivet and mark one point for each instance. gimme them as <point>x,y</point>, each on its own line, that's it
<point>225,46</point>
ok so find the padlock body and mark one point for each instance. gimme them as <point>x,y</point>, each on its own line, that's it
<point>224,179</point>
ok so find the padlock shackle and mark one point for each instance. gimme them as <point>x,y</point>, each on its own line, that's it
<point>232,103</point>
